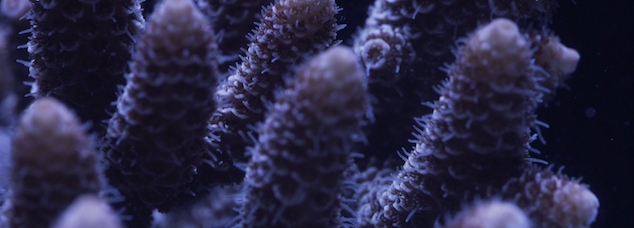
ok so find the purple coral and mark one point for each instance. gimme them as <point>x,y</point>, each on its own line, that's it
<point>232,20</point>
<point>478,134</point>
<point>295,174</point>
<point>289,32</point>
<point>79,51</point>
<point>156,139</point>
<point>53,162</point>
<point>143,154</point>
<point>426,30</point>
<point>552,199</point>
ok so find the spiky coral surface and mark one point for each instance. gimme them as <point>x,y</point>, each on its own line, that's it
<point>293,115</point>
<point>296,181</point>
<point>289,32</point>
<point>156,138</point>
<point>478,134</point>
<point>79,52</point>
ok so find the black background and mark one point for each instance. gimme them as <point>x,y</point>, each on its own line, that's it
<point>598,149</point>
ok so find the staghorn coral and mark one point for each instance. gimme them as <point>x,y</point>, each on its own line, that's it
<point>552,199</point>
<point>53,162</point>
<point>478,134</point>
<point>79,51</point>
<point>426,30</point>
<point>232,19</point>
<point>155,140</point>
<point>293,116</point>
<point>289,32</point>
<point>296,181</point>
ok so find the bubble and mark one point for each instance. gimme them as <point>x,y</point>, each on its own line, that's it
<point>591,112</point>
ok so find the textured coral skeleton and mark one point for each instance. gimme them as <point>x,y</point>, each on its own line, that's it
<point>143,120</point>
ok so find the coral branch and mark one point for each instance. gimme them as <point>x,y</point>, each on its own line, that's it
<point>232,20</point>
<point>156,138</point>
<point>79,51</point>
<point>552,199</point>
<point>301,133</point>
<point>53,163</point>
<point>428,29</point>
<point>556,61</point>
<point>478,135</point>
<point>295,175</point>
<point>290,31</point>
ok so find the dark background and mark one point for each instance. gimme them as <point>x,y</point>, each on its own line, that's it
<point>599,148</point>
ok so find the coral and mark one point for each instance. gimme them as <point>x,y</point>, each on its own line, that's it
<point>79,51</point>
<point>556,61</point>
<point>478,134</point>
<point>296,181</point>
<point>155,140</point>
<point>552,199</point>
<point>289,32</point>
<point>88,211</point>
<point>303,132</point>
<point>492,214</point>
<point>219,209</point>
<point>53,162</point>
<point>371,183</point>
<point>426,30</point>
<point>231,19</point>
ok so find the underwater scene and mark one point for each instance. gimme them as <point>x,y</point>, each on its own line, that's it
<point>316,113</point>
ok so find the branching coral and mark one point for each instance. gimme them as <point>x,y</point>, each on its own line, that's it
<point>53,162</point>
<point>155,140</point>
<point>295,174</point>
<point>304,132</point>
<point>79,52</point>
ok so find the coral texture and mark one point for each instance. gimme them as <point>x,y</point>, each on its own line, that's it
<point>289,32</point>
<point>232,19</point>
<point>478,135</point>
<point>296,181</point>
<point>79,51</point>
<point>53,161</point>
<point>427,30</point>
<point>156,138</point>
<point>303,132</point>
<point>552,199</point>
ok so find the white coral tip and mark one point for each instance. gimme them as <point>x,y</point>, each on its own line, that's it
<point>568,60</point>
<point>500,34</point>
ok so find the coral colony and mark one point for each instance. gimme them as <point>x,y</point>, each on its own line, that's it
<point>244,113</point>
